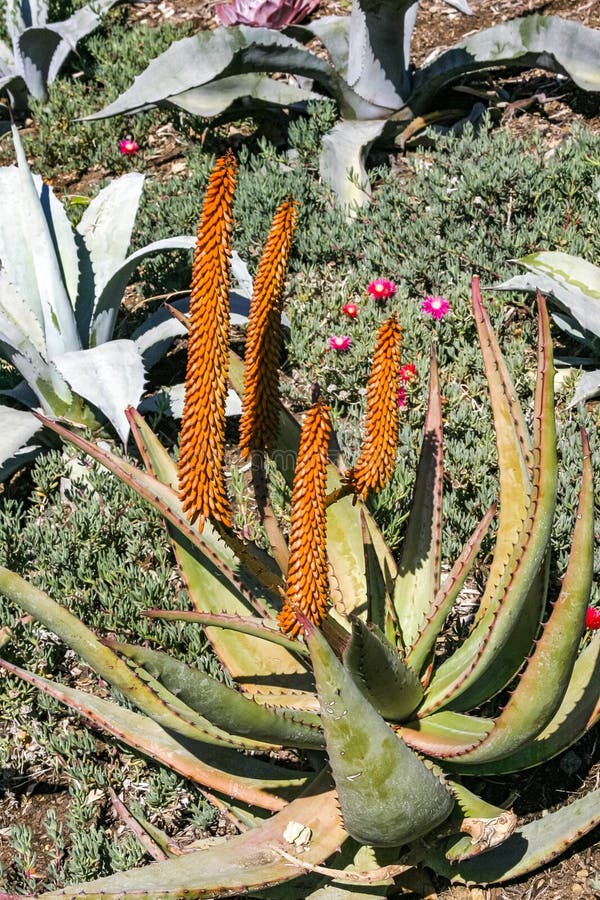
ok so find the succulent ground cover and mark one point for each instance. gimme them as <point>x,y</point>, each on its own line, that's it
<point>537,193</point>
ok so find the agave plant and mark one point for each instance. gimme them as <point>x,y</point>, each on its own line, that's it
<point>330,644</point>
<point>368,72</point>
<point>39,49</point>
<point>573,285</point>
<point>60,293</point>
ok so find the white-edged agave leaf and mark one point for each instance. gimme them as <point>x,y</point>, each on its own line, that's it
<point>461,5</point>
<point>17,428</point>
<point>333,32</point>
<point>43,378</point>
<point>208,55</point>
<point>40,253</point>
<point>110,376</point>
<point>342,161</point>
<point>528,848</point>
<point>109,300</point>
<point>158,331</point>
<point>106,227</point>
<point>73,29</point>
<point>36,48</point>
<point>588,387</point>
<point>544,42</point>
<point>22,14</point>
<point>388,796</point>
<point>240,93</point>
<point>19,326</point>
<point>573,282</point>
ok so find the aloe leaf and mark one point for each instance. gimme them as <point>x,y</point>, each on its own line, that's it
<point>109,299</point>
<point>225,707</point>
<point>578,712</point>
<point>198,60</point>
<point>240,93</point>
<point>172,714</point>
<point>419,568</point>
<point>421,650</point>
<point>537,696</point>
<point>111,377</point>
<point>494,650</point>
<point>392,688</point>
<point>32,228</point>
<point>247,862</point>
<point>544,42</point>
<point>253,781</point>
<point>514,450</point>
<point>17,429</point>
<point>445,733</point>
<point>344,150</point>
<point>381,571</point>
<point>387,795</point>
<point>529,848</point>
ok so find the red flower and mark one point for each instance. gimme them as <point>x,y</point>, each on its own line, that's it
<point>350,310</point>
<point>402,399</point>
<point>592,618</point>
<point>381,288</point>
<point>408,373</point>
<point>128,147</point>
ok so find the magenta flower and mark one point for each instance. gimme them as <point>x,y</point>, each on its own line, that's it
<point>264,13</point>
<point>128,147</point>
<point>436,307</point>
<point>592,618</point>
<point>351,310</point>
<point>402,398</point>
<point>381,288</point>
<point>340,342</point>
<point>408,372</point>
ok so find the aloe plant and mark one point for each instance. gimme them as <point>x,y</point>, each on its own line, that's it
<point>368,73</point>
<point>329,642</point>
<point>573,286</point>
<point>39,49</point>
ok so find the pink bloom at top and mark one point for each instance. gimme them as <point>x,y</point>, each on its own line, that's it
<point>350,310</point>
<point>128,147</point>
<point>436,307</point>
<point>592,618</point>
<point>340,342</point>
<point>381,288</point>
<point>408,373</point>
<point>402,398</point>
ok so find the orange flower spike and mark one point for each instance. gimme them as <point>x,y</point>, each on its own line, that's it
<point>378,454</point>
<point>259,423</point>
<point>201,465</point>
<point>307,580</point>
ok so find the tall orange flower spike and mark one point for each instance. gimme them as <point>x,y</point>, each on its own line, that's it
<point>307,580</point>
<point>260,405</point>
<point>378,454</point>
<point>201,465</point>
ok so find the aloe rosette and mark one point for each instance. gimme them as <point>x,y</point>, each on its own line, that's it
<point>389,730</point>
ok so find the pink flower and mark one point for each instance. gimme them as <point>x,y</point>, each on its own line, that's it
<point>436,307</point>
<point>402,398</point>
<point>350,310</point>
<point>128,147</point>
<point>381,289</point>
<point>408,372</point>
<point>340,342</point>
<point>592,618</point>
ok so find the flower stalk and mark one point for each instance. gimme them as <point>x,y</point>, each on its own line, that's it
<point>307,588</point>
<point>201,459</point>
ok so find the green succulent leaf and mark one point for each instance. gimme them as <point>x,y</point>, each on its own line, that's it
<point>246,93</point>
<point>342,163</point>
<point>446,733</point>
<point>382,676</point>
<point>225,707</point>
<point>387,795</point>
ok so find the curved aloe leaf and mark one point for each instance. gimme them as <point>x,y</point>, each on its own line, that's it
<point>387,795</point>
<point>529,848</point>
<point>246,863</point>
<point>172,714</point>
<point>544,42</point>
<point>250,780</point>
<point>445,733</point>
<point>223,706</point>
<point>494,650</point>
<point>419,568</point>
<point>381,572</point>
<point>392,688</point>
